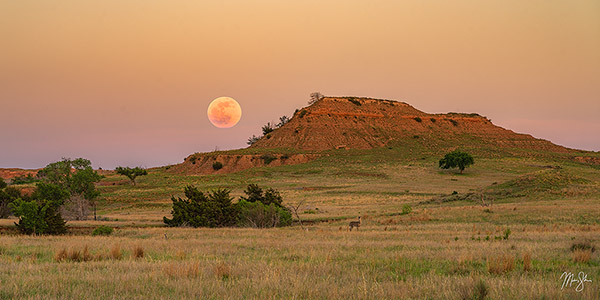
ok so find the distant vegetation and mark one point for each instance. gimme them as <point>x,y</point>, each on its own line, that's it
<point>24,179</point>
<point>8,194</point>
<point>131,173</point>
<point>258,209</point>
<point>267,129</point>
<point>66,188</point>
<point>314,97</point>
<point>456,159</point>
<point>355,101</point>
<point>217,165</point>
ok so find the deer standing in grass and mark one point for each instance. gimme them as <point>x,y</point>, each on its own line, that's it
<point>354,224</point>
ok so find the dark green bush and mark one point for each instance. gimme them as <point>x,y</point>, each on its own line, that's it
<point>213,209</point>
<point>268,158</point>
<point>418,119</point>
<point>7,196</point>
<point>302,113</point>
<point>255,194</point>
<point>102,230</point>
<point>267,128</point>
<point>432,120</point>
<point>355,101</point>
<point>217,165</point>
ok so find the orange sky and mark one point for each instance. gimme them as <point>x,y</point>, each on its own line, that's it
<point>129,82</point>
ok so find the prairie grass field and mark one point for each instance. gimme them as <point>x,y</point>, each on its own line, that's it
<point>448,246</point>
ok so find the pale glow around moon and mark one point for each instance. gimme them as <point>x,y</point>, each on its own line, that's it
<point>224,112</point>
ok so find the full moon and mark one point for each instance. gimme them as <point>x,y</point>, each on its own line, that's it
<point>224,112</point>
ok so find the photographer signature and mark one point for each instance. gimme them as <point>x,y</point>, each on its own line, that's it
<point>569,279</point>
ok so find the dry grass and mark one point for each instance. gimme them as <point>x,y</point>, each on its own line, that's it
<point>61,255</point>
<point>115,252</point>
<point>222,270</point>
<point>500,263</point>
<point>138,252</point>
<point>182,269</point>
<point>582,256</point>
<point>526,262</point>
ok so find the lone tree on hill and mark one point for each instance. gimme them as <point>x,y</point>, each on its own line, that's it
<point>314,97</point>
<point>131,173</point>
<point>456,159</point>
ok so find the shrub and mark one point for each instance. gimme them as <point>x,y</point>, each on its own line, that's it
<point>406,209</point>
<point>253,139</point>
<point>418,119</point>
<point>8,196</point>
<point>268,128</point>
<point>432,120</point>
<point>454,122</point>
<point>500,264</point>
<point>268,158</point>
<point>258,215</point>
<point>102,230</point>
<point>2,183</point>
<point>217,165</point>
<point>302,113</point>
<point>456,159</point>
<point>213,209</point>
<point>255,193</point>
<point>506,234</point>
<point>355,101</point>
<point>41,215</point>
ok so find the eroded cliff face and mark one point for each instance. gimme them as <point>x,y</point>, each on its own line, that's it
<point>362,123</point>
<point>202,163</point>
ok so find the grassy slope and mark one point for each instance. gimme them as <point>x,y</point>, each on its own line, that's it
<point>437,251</point>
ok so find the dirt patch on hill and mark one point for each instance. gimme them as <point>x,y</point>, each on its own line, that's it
<point>11,173</point>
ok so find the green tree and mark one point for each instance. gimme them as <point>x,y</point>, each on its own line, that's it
<point>78,178</point>
<point>213,209</point>
<point>41,214</point>
<point>131,173</point>
<point>456,159</point>
<point>7,196</point>
<point>255,193</point>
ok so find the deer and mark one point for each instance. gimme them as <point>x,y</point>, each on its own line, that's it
<point>354,224</point>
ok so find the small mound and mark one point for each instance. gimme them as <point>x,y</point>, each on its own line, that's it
<point>553,181</point>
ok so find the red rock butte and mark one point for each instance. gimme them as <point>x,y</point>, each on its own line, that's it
<point>365,123</point>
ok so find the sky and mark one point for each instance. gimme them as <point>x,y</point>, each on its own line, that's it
<point>128,82</point>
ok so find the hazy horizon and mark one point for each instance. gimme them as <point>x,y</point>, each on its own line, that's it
<point>128,83</point>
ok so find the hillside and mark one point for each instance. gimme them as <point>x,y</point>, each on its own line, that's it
<point>363,123</point>
<point>334,123</point>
